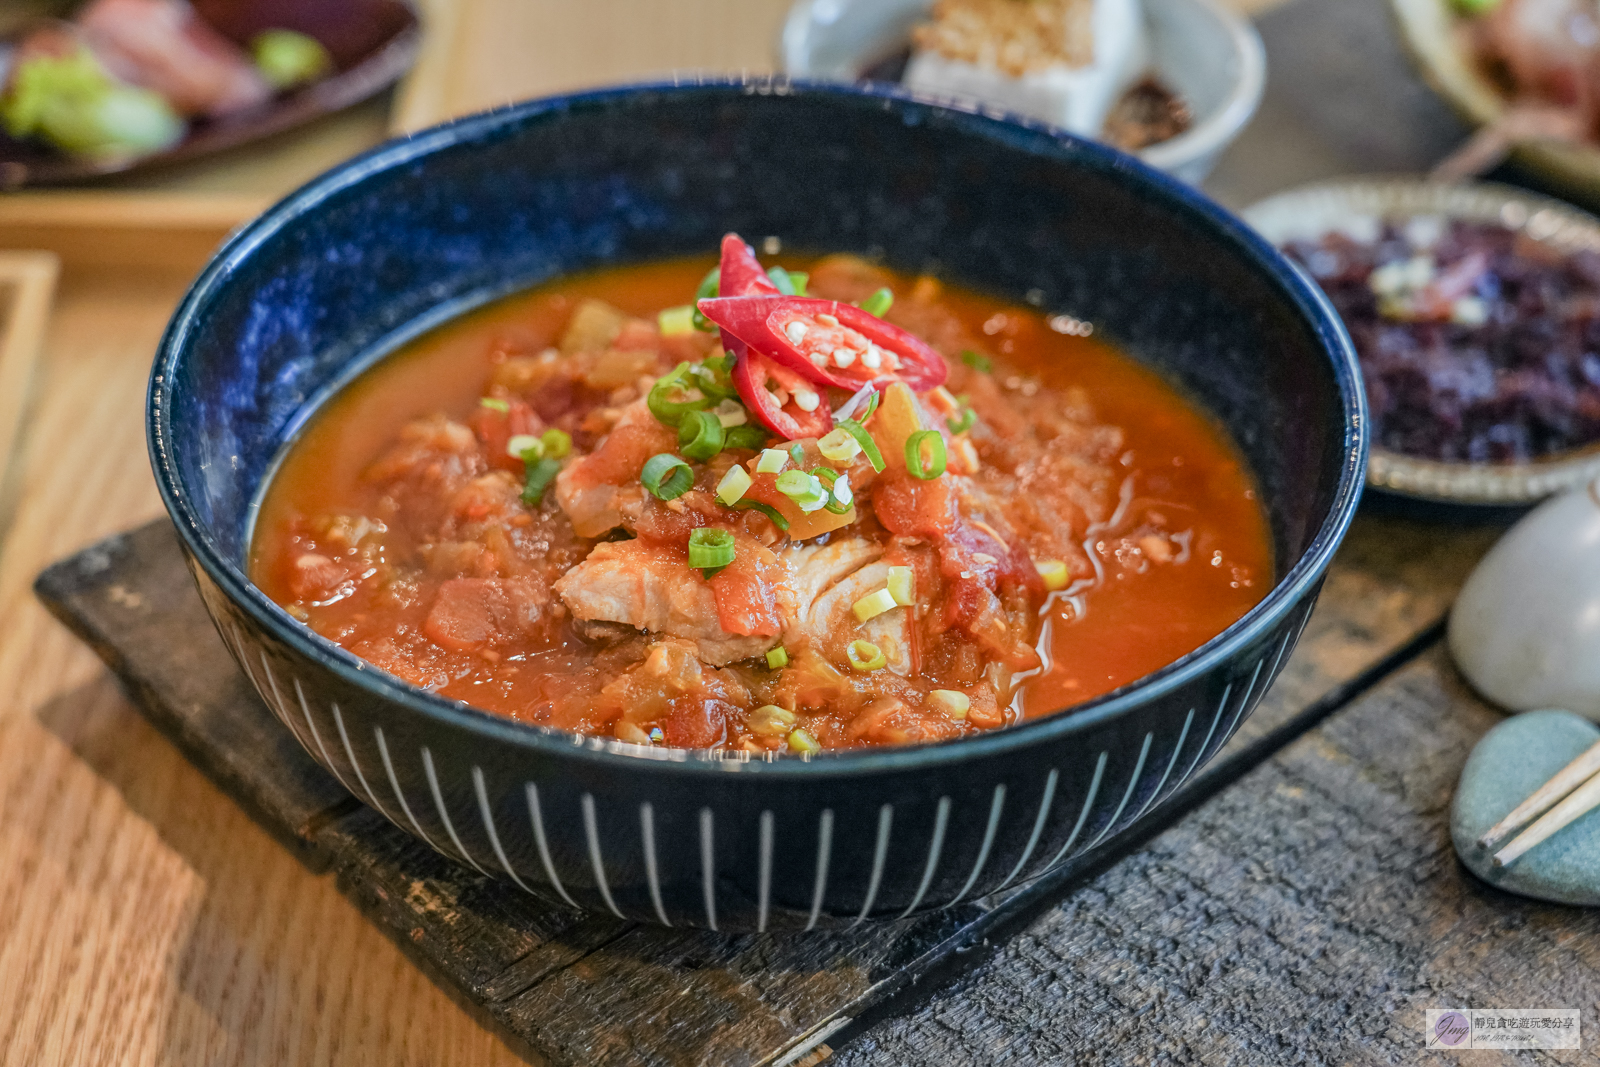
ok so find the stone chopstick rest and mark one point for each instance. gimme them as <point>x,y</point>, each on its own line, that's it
<point>1508,765</point>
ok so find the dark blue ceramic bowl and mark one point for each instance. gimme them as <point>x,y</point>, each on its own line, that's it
<point>420,229</point>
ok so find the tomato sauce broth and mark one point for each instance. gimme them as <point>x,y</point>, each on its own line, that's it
<point>1184,552</point>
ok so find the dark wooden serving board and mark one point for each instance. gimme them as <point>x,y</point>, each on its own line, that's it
<point>569,989</point>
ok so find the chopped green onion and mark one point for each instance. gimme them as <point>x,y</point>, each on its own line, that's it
<point>770,720</point>
<point>925,456</point>
<point>660,401</point>
<point>523,443</point>
<point>771,461</point>
<point>557,443</point>
<point>963,422</point>
<point>866,656</point>
<point>798,454</point>
<point>799,278</point>
<point>667,476</point>
<point>801,743</point>
<point>494,403</point>
<point>708,288</point>
<point>749,436</point>
<point>872,405</point>
<point>840,499</point>
<point>721,364</point>
<point>766,509</point>
<point>843,499</point>
<point>805,490</point>
<point>733,486</point>
<point>878,303</point>
<point>778,658</point>
<point>954,704</point>
<point>874,604</point>
<point>977,361</point>
<point>731,413</point>
<point>710,549</point>
<point>838,446</point>
<point>900,586</point>
<point>540,475</point>
<point>712,380</point>
<point>782,280</point>
<point>864,439</point>
<point>676,322</point>
<point>700,435</point>
<point>1055,574</point>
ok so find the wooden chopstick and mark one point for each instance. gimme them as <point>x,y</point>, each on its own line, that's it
<point>1545,797</point>
<point>1578,802</point>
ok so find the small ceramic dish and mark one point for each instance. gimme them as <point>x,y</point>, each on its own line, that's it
<point>1209,56</point>
<point>1431,32</point>
<point>1358,204</point>
<point>371,43</point>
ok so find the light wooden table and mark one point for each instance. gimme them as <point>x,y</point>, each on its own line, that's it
<point>143,918</point>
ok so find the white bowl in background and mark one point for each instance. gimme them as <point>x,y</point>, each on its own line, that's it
<point>1208,55</point>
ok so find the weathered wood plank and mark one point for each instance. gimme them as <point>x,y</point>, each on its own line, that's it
<point>569,989</point>
<point>436,905</point>
<point>132,600</point>
<point>1312,912</point>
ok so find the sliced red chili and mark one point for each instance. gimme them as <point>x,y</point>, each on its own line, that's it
<point>828,342</point>
<point>741,272</point>
<point>753,375</point>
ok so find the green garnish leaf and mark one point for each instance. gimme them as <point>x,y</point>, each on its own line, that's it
<point>666,476</point>
<point>71,102</point>
<point>710,549</point>
<point>977,361</point>
<point>540,474</point>
<point>878,303</point>
<point>925,454</point>
<point>748,436</point>
<point>804,489</point>
<point>675,383</point>
<point>864,439</point>
<point>782,280</point>
<point>766,509</point>
<point>709,286</point>
<point>700,435</point>
<point>286,58</point>
<point>557,443</point>
<point>865,656</point>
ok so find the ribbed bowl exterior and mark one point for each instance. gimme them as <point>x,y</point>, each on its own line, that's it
<point>363,258</point>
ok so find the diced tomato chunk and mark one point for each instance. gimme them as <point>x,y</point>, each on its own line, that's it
<point>470,614</point>
<point>496,428</point>
<point>911,507</point>
<point>747,590</point>
<point>697,723</point>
